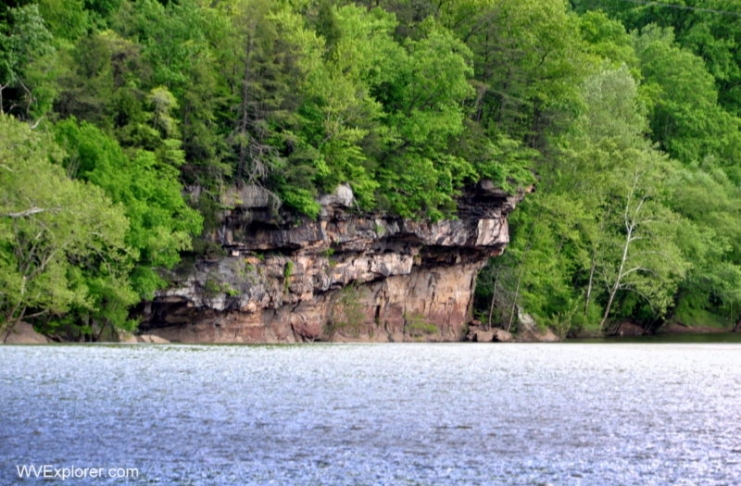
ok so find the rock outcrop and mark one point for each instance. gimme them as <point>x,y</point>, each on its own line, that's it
<point>528,330</point>
<point>23,333</point>
<point>346,276</point>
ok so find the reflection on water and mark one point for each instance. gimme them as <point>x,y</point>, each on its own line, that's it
<point>377,414</point>
<point>710,337</point>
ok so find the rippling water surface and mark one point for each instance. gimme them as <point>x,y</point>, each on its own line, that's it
<point>377,414</point>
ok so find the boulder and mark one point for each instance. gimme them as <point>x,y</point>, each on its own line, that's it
<point>538,336</point>
<point>629,329</point>
<point>24,333</point>
<point>502,336</point>
<point>342,196</point>
<point>479,335</point>
<point>127,338</point>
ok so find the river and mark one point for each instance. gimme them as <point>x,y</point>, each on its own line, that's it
<point>375,414</point>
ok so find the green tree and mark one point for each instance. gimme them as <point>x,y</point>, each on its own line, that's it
<point>600,228</point>
<point>181,46</point>
<point>528,61</point>
<point>104,87</point>
<point>709,200</point>
<point>642,257</point>
<point>685,116</point>
<point>61,241</point>
<point>708,28</point>
<point>66,19</point>
<point>23,41</point>
<point>423,105</point>
<point>161,223</point>
<point>343,119</point>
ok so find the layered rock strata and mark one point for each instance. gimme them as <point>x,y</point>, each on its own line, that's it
<point>346,276</point>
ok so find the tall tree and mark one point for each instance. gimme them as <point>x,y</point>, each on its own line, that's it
<point>642,257</point>
<point>61,241</point>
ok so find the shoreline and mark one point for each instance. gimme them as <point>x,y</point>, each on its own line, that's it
<point>679,334</point>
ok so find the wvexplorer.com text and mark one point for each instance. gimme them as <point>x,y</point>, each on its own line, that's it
<point>49,471</point>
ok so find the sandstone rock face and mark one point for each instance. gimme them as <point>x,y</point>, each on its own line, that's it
<point>346,277</point>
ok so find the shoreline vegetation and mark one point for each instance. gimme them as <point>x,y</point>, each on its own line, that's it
<point>129,126</point>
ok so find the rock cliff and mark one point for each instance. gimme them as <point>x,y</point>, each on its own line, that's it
<point>345,276</point>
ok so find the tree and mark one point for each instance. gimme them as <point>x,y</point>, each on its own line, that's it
<point>59,239</point>
<point>709,201</point>
<point>65,19</point>
<point>343,118</point>
<point>423,106</point>
<point>709,29</point>
<point>601,215</point>
<point>269,64</point>
<point>685,117</point>
<point>104,86</point>
<point>642,257</point>
<point>528,61</point>
<point>161,223</point>
<point>180,45</point>
<point>23,41</point>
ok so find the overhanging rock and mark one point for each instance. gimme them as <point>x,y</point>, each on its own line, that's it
<point>346,276</point>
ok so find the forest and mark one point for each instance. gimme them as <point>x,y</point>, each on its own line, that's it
<point>123,121</point>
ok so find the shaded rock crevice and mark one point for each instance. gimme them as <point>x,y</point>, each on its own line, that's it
<point>347,276</point>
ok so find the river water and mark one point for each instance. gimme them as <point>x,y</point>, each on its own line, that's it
<point>395,414</point>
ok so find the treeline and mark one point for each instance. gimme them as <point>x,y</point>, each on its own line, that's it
<point>626,119</point>
<point>637,215</point>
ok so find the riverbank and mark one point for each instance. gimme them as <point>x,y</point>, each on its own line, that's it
<point>34,338</point>
<point>24,333</point>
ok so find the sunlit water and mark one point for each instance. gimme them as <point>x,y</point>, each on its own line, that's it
<point>630,414</point>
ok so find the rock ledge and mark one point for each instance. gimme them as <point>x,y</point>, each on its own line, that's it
<point>346,276</point>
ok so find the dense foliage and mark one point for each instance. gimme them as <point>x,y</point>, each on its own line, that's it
<point>625,115</point>
<point>636,216</point>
